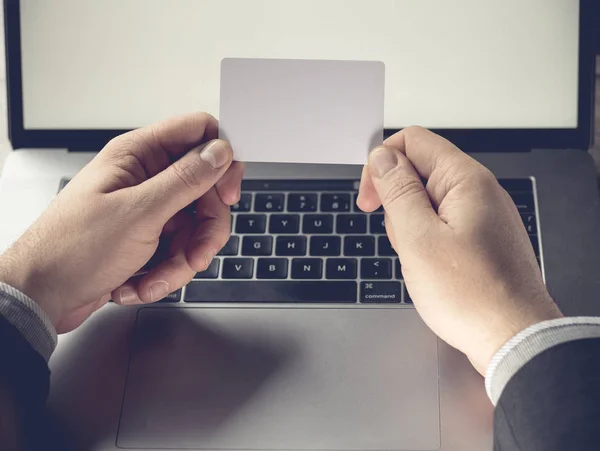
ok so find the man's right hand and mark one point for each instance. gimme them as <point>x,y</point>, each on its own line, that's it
<point>466,258</point>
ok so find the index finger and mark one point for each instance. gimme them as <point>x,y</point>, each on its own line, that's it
<point>426,150</point>
<point>156,146</point>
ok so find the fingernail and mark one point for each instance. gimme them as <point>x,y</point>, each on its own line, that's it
<point>382,160</point>
<point>129,296</point>
<point>158,290</point>
<point>216,153</point>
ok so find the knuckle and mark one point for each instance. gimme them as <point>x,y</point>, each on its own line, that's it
<point>119,144</point>
<point>413,130</point>
<point>413,134</point>
<point>199,118</point>
<point>484,178</point>
<point>401,187</point>
<point>187,172</point>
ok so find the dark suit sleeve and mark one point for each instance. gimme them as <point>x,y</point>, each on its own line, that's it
<point>24,385</point>
<point>553,402</point>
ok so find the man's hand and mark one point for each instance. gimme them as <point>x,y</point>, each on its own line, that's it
<point>466,257</point>
<point>133,204</point>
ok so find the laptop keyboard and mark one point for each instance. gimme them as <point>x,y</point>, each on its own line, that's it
<point>306,241</point>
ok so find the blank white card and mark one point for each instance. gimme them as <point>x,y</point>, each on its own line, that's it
<point>302,111</point>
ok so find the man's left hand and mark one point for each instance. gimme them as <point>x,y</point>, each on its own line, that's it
<point>157,197</point>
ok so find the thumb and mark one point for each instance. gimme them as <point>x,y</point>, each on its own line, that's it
<point>408,209</point>
<point>187,179</point>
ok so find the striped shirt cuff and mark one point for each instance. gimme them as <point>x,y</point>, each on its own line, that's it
<point>531,342</point>
<point>29,319</point>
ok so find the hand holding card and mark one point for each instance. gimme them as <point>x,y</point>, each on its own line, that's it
<point>302,111</point>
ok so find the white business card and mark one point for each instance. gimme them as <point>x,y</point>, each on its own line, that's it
<point>302,111</point>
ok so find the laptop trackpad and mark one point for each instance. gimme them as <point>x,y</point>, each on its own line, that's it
<point>281,378</point>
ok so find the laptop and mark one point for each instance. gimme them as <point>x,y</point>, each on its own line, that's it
<point>326,351</point>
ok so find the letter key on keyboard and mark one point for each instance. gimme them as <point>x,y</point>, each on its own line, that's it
<point>211,272</point>
<point>377,224</point>
<point>288,246</point>
<point>282,224</point>
<point>362,245</point>
<point>250,223</point>
<point>340,268</point>
<point>384,247</point>
<point>317,224</point>
<point>272,268</point>
<point>231,247</point>
<point>351,224</point>
<point>307,268</point>
<point>257,245</point>
<point>321,246</point>
<point>238,268</point>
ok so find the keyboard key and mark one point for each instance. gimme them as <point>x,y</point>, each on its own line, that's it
<point>276,291</point>
<point>535,244</point>
<point>335,202</point>
<point>341,268</point>
<point>307,268</point>
<point>302,202</point>
<point>355,207</point>
<point>377,224</point>
<point>322,246</point>
<point>171,297</point>
<point>398,269</point>
<point>290,246</point>
<point>257,245</point>
<point>284,224</point>
<point>530,223</point>
<point>512,185</point>
<point>376,268</point>
<point>245,203</point>
<point>351,224</point>
<point>272,268</point>
<point>251,223</point>
<point>380,292</point>
<point>384,247</point>
<point>357,246</point>
<point>317,224</point>
<point>524,202</point>
<point>268,202</point>
<point>237,268</point>
<point>407,299</point>
<point>231,247</point>
<point>212,272</point>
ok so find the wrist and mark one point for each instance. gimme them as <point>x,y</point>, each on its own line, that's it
<point>538,310</point>
<point>18,274</point>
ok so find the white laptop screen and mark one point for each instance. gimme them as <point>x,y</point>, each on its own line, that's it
<point>119,64</point>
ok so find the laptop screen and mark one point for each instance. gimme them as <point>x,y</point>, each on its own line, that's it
<point>120,64</point>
